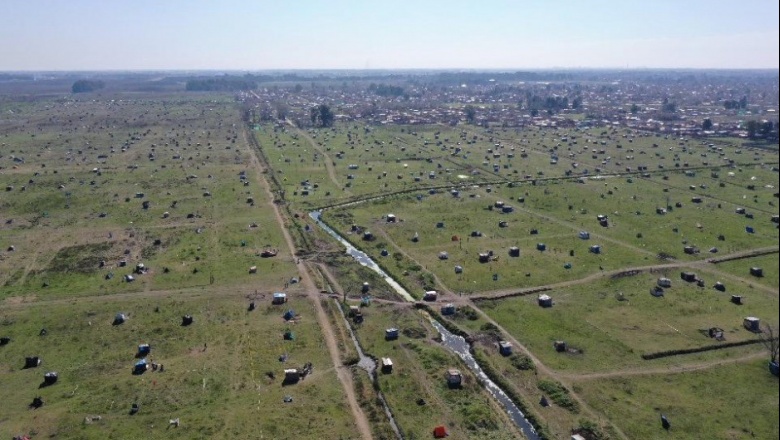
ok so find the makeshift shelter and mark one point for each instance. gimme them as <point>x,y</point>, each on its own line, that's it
<point>752,324</point>
<point>391,334</point>
<point>458,269</point>
<point>507,209</point>
<point>253,269</point>
<point>4,340</point>
<point>36,403</point>
<point>32,361</point>
<point>483,257</point>
<point>664,282</point>
<point>736,299</point>
<point>391,218</point>
<point>186,320</point>
<point>430,295</point>
<point>584,235</point>
<point>657,291</point>
<point>596,249</point>
<point>720,287</point>
<point>443,255</point>
<point>119,318</point>
<point>454,378</point>
<point>354,310</point>
<point>690,250</point>
<point>387,365</point>
<point>143,350</point>
<point>448,309</point>
<point>505,348</point>
<point>757,272</point>
<point>688,276</point>
<point>514,251</point>
<point>289,335</point>
<point>365,287</point>
<point>440,432</point>
<point>279,298</point>
<point>560,346</point>
<point>140,367</point>
<point>289,314</point>
<point>545,300</point>
<point>50,378</point>
<point>541,247</point>
<point>291,376</point>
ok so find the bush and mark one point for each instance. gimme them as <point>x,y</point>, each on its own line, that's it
<point>523,362</point>
<point>590,430</point>
<point>559,394</point>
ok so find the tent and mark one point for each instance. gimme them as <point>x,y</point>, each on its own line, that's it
<point>143,350</point>
<point>32,361</point>
<point>288,315</point>
<point>439,432</point>
<point>140,367</point>
<point>186,320</point>
<point>50,378</point>
<point>119,318</point>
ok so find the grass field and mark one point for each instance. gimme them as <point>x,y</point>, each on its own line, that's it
<point>216,370</point>
<point>94,187</point>
<point>701,404</point>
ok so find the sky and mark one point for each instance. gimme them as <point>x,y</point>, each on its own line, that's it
<point>44,35</point>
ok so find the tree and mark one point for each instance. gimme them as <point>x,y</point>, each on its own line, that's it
<point>471,113</point>
<point>769,337</point>
<point>321,116</point>
<point>576,103</point>
<point>706,124</point>
<point>752,128</point>
<point>87,85</point>
<point>634,109</point>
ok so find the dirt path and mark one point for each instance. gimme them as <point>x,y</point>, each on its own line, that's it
<point>663,370</point>
<point>322,319</point>
<point>328,162</point>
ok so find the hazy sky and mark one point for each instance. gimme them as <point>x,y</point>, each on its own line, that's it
<point>377,34</point>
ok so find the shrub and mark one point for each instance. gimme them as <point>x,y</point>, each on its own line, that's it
<point>523,362</point>
<point>559,394</point>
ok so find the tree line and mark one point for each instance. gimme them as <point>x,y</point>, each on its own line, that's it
<point>220,84</point>
<point>87,85</point>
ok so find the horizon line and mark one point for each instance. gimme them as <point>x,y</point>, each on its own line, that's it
<point>397,69</point>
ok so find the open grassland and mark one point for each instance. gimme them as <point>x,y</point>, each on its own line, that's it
<point>216,376</point>
<point>733,401</point>
<point>741,268</point>
<point>609,323</point>
<point>93,188</point>
<point>690,194</point>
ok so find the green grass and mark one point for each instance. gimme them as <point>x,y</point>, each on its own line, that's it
<point>419,367</point>
<point>701,404</point>
<point>612,334</point>
<point>218,391</point>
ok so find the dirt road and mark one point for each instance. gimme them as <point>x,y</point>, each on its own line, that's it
<point>322,319</point>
